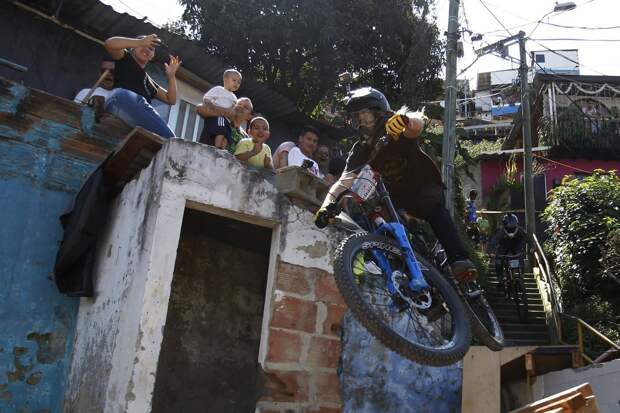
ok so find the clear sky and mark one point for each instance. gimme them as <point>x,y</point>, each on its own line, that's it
<point>596,57</point>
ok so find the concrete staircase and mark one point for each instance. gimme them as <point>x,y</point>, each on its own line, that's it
<point>532,332</point>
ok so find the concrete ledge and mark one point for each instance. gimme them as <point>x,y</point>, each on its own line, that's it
<point>300,184</point>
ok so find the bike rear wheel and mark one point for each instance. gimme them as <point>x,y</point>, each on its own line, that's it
<point>484,322</point>
<point>520,297</point>
<point>438,336</point>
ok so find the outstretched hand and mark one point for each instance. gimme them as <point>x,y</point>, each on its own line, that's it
<point>172,66</point>
<point>151,40</point>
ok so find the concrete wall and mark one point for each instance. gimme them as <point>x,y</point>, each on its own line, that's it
<point>120,331</point>
<point>47,147</point>
<point>604,379</point>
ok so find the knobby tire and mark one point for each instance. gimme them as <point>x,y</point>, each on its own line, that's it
<point>374,322</point>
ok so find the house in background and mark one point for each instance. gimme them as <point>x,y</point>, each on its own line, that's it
<point>575,130</point>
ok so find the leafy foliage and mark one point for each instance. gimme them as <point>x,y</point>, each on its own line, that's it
<point>581,216</point>
<point>299,47</point>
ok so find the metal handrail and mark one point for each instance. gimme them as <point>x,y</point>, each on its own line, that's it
<point>547,274</point>
<point>580,325</point>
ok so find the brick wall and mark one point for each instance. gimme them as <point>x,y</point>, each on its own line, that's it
<point>304,343</point>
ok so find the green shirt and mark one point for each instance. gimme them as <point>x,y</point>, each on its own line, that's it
<point>236,135</point>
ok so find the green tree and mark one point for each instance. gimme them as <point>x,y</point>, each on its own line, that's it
<point>299,47</point>
<point>582,216</point>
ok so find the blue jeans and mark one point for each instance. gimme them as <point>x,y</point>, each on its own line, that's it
<point>134,110</point>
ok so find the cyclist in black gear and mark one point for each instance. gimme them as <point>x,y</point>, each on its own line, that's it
<point>411,177</point>
<point>509,240</point>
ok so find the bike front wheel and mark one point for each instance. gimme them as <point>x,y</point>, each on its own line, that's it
<point>484,322</point>
<point>520,297</point>
<point>429,327</point>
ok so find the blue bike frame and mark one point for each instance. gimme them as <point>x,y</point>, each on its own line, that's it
<point>397,230</point>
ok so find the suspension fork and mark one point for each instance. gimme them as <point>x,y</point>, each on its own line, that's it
<point>397,230</point>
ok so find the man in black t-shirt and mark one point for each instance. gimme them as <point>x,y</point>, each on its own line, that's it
<point>411,177</point>
<point>133,87</point>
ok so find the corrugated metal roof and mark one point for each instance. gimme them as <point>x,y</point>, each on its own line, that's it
<point>102,21</point>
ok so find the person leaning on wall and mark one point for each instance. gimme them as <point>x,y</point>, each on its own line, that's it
<point>133,87</point>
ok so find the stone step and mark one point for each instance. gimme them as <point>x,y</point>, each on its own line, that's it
<point>518,334</point>
<point>510,305</point>
<point>524,327</point>
<point>513,317</point>
<point>527,342</point>
<point>528,283</point>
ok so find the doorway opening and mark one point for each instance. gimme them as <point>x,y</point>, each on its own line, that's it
<point>209,355</point>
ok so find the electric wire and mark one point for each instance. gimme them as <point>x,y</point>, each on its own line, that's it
<point>495,17</point>
<point>582,27</point>
<point>575,40</point>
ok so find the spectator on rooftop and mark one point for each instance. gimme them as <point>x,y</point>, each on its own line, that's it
<point>240,113</point>
<point>133,87</point>
<point>337,164</point>
<point>219,128</point>
<point>105,87</point>
<point>301,155</point>
<point>321,157</point>
<point>254,150</point>
<point>280,156</point>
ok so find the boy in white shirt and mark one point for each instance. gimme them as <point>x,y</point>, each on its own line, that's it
<point>217,130</point>
<point>302,153</point>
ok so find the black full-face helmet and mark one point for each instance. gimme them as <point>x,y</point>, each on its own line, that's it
<point>510,222</point>
<point>367,99</point>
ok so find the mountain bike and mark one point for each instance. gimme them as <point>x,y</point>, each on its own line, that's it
<point>395,292</point>
<point>484,323</point>
<point>514,284</point>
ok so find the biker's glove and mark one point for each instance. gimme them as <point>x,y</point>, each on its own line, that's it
<point>396,125</point>
<point>324,215</point>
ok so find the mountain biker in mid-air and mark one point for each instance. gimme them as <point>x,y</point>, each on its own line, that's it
<point>411,177</point>
<point>509,240</point>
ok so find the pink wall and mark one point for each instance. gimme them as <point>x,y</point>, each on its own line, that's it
<point>492,169</point>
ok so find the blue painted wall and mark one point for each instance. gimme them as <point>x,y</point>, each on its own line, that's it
<point>43,162</point>
<point>377,380</point>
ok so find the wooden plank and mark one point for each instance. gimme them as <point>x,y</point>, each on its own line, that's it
<point>570,404</point>
<point>133,154</point>
<point>584,390</point>
<point>46,106</point>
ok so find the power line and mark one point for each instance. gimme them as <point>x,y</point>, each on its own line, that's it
<point>469,66</point>
<point>576,40</point>
<point>582,27</point>
<point>495,17</point>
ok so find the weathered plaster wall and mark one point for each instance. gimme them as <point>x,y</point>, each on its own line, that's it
<point>47,147</point>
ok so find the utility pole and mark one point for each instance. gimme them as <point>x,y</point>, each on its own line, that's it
<point>528,178</point>
<point>530,206</point>
<point>449,119</point>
